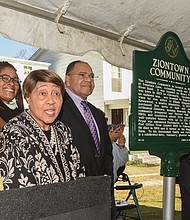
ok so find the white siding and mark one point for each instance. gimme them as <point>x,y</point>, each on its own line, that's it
<point>126,84</point>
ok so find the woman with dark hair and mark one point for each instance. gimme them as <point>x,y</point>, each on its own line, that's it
<point>35,148</point>
<point>11,102</point>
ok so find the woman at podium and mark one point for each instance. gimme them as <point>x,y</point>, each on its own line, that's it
<point>35,148</point>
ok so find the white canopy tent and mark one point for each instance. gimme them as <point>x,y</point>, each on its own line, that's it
<point>112,27</point>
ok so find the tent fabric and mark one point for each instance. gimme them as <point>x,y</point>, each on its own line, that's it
<point>113,28</point>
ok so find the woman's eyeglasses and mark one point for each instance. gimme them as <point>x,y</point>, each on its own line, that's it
<point>6,78</point>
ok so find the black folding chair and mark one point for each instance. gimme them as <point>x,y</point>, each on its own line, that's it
<point>123,206</point>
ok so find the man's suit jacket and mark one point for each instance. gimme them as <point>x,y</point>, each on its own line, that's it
<point>95,165</point>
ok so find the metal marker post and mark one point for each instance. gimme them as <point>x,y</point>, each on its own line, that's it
<point>169,171</point>
<point>168,198</point>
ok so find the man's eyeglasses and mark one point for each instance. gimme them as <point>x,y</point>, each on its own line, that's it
<point>6,78</point>
<point>84,75</point>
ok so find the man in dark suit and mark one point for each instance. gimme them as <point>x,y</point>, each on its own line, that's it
<point>79,81</point>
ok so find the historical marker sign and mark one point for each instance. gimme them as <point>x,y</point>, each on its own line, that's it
<point>160,103</point>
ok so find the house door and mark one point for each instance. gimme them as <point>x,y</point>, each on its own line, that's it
<point>117,116</point>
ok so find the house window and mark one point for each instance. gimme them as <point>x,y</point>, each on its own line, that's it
<point>27,70</point>
<point>116,79</point>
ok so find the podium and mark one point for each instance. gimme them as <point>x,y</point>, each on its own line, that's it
<point>82,199</point>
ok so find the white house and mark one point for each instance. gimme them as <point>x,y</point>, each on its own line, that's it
<point>24,67</point>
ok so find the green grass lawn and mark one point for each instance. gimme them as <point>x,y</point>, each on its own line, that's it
<point>150,196</point>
